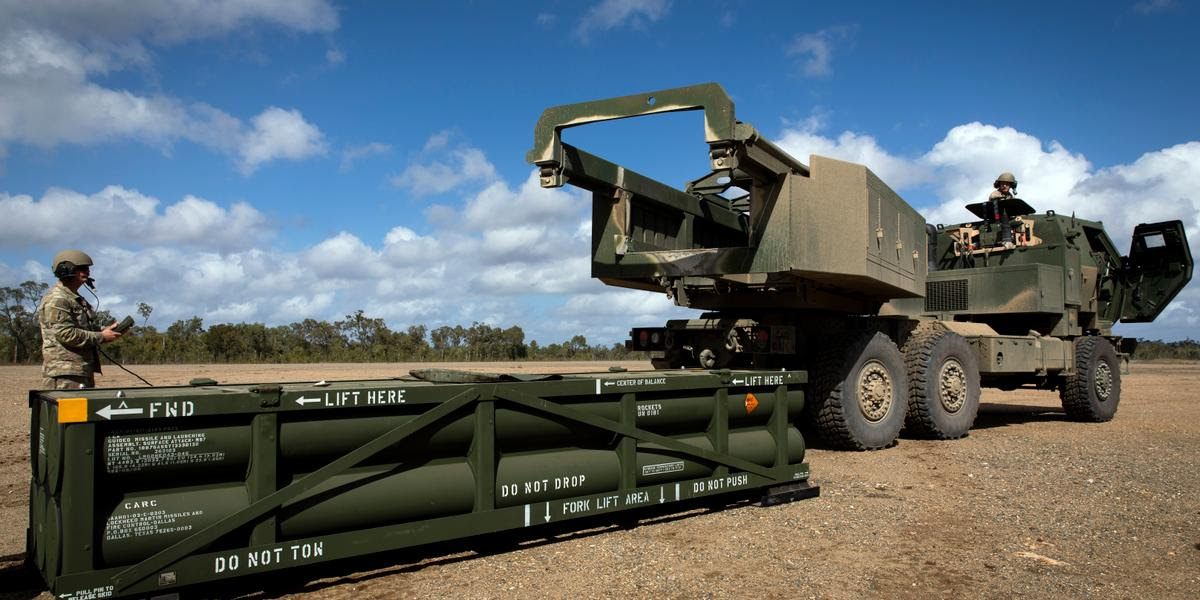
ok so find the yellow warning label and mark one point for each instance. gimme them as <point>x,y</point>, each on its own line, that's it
<point>751,403</point>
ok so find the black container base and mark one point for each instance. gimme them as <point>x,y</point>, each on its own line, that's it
<point>789,493</point>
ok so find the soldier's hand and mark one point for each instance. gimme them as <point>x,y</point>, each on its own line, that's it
<point>109,334</point>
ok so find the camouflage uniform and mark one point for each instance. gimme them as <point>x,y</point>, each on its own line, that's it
<point>70,342</point>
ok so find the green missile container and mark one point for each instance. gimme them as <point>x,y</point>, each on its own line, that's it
<point>144,491</point>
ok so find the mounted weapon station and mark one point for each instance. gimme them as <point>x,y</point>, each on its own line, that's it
<point>831,303</point>
<point>822,267</point>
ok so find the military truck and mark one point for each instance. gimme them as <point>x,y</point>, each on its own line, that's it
<point>823,267</point>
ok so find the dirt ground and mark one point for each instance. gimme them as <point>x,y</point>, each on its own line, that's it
<point>1029,504</point>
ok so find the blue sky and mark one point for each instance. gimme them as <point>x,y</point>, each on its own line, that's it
<point>275,160</point>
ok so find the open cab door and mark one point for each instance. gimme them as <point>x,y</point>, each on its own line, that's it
<point>1158,266</point>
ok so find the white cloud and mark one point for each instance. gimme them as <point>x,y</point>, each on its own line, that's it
<point>403,247</point>
<point>441,168</point>
<point>606,315</point>
<point>962,166</point>
<point>303,306</point>
<point>553,275</point>
<point>354,154</point>
<point>236,312</point>
<point>815,51</point>
<point>636,305</point>
<point>1159,186</point>
<point>279,133</point>
<point>51,52</point>
<point>611,14</point>
<point>1148,7</point>
<point>970,157</point>
<point>802,140</point>
<point>117,215</point>
<point>334,57</point>
<point>452,274</point>
<point>437,141</point>
<point>10,276</point>
<point>418,311</point>
<point>167,21</point>
<point>497,206</point>
<point>344,257</point>
<point>519,254</point>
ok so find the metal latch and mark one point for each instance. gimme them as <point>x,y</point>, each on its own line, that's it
<point>552,176</point>
<point>269,394</point>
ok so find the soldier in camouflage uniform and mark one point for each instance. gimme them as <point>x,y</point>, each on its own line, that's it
<point>1005,186</point>
<point>70,359</point>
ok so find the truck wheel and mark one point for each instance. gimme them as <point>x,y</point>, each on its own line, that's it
<point>1093,392</point>
<point>859,393</point>
<point>943,379</point>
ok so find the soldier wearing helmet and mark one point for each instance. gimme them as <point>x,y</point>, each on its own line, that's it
<point>1011,232</point>
<point>1005,186</point>
<point>70,341</point>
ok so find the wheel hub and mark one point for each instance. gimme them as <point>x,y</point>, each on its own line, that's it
<point>952,385</point>
<point>1103,381</point>
<point>874,391</point>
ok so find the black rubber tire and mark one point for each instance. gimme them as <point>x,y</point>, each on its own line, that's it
<point>1094,391</point>
<point>835,411</point>
<point>934,358</point>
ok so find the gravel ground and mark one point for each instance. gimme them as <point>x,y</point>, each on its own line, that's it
<point>1029,504</point>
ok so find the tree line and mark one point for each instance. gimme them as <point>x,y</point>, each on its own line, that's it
<point>1160,350</point>
<point>356,338</point>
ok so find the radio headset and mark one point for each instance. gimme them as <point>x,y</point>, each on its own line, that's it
<point>67,269</point>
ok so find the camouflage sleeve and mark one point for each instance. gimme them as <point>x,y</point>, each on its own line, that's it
<point>67,331</point>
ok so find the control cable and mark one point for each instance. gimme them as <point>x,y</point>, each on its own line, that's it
<point>91,288</point>
<point>114,361</point>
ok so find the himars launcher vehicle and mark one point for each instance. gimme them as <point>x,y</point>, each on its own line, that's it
<point>822,267</point>
<point>831,302</point>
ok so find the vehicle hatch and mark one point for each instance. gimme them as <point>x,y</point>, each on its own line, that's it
<point>1158,266</point>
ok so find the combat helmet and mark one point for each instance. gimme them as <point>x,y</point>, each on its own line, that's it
<point>1006,177</point>
<point>65,262</point>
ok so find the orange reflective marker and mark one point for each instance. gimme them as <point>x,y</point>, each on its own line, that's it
<point>72,410</point>
<point>751,403</point>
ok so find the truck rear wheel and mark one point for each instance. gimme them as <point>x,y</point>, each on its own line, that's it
<point>1093,392</point>
<point>943,378</point>
<point>859,392</point>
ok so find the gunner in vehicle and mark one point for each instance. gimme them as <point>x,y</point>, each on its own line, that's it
<point>1005,186</point>
<point>1012,232</point>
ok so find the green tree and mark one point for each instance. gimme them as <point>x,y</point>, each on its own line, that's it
<point>18,320</point>
<point>144,310</point>
<point>513,341</point>
<point>440,341</point>
<point>576,346</point>
<point>184,342</point>
<point>322,340</point>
